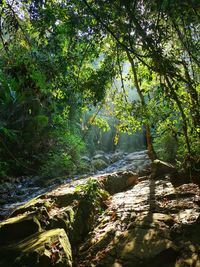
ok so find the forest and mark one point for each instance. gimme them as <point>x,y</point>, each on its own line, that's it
<point>84,84</point>
<point>59,60</point>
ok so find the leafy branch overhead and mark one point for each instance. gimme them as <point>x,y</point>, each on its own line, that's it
<point>138,59</point>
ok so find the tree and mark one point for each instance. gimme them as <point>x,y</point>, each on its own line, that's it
<point>58,56</point>
<point>163,36</point>
<point>47,76</point>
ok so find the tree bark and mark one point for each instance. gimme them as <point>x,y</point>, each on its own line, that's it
<point>151,152</point>
<point>185,125</point>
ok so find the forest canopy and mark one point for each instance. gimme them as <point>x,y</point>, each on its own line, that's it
<point>60,58</point>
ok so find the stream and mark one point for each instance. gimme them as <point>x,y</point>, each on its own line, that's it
<point>16,192</point>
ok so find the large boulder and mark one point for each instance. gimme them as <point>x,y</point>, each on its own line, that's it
<point>50,248</point>
<point>63,196</point>
<point>62,218</point>
<point>118,155</point>
<point>32,206</point>
<point>160,168</point>
<point>118,181</point>
<point>103,157</point>
<point>151,224</point>
<point>99,164</point>
<point>17,228</point>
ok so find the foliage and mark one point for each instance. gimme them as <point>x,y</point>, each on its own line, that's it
<point>166,148</point>
<point>92,193</point>
<point>60,56</point>
<point>160,40</point>
<point>64,156</point>
<point>46,77</point>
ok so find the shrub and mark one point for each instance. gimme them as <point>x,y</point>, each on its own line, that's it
<point>166,147</point>
<point>64,156</point>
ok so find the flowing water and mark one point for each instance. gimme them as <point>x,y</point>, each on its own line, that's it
<point>21,190</point>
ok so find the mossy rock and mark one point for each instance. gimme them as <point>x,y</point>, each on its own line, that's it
<point>63,197</point>
<point>50,248</point>
<point>85,215</point>
<point>160,168</point>
<point>104,157</point>
<point>62,218</point>
<point>31,206</point>
<point>119,181</point>
<point>99,164</point>
<point>17,228</point>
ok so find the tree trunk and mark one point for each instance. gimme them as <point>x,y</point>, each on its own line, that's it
<point>185,126</point>
<point>151,152</point>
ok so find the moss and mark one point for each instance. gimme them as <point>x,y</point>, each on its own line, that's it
<point>99,164</point>
<point>63,218</point>
<point>42,249</point>
<point>31,205</point>
<point>17,228</point>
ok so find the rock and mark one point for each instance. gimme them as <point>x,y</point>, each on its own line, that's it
<point>85,167</point>
<point>99,152</point>
<point>62,218</point>
<point>84,219</point>
<point>161,168</point>
<point>138,162</point>
<point>138,228</point>
<point>50,248</point>
<point>63,196</point>
<point>103,157</point>
<point>17,228</point>
<point>142,155</point>
<point>119,181</point>
<point>86,159</point>
<point>31,206</point>
<point>134,247</point>
<point>72,210</point>
<point>99,164</point>
<point>116,156</point>
<point>189,255</point>
<point>146,222</point>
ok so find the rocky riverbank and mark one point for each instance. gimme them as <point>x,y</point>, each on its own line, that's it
<point>17,191</point>
<point>133,213</point>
